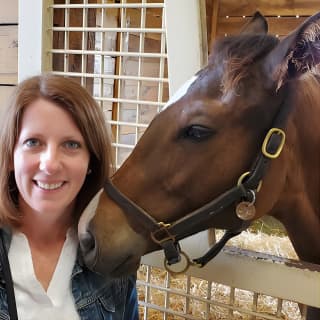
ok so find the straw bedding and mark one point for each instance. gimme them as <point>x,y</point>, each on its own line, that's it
<point>276,244</point>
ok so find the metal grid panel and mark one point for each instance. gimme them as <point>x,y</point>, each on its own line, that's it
<point>237,284</point>
<point>187,297</point>
<point>117,49</point>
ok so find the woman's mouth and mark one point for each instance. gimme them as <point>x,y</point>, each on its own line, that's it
<point>49,186</point>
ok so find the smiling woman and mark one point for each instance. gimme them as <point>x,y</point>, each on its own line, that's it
<point>50,162</point>
<point>54,156</point>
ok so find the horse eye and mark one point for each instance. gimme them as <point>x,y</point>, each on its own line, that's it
<point>197,132</point>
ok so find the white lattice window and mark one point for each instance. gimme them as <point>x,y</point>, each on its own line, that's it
<point>118,50</point>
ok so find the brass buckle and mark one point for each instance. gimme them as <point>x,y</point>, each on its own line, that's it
<point>266,140</point>
<point>162,231</point>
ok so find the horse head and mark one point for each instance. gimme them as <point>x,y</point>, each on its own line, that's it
<point>204,145</point>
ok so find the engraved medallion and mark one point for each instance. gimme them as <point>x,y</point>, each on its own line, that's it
<point>245,210</point>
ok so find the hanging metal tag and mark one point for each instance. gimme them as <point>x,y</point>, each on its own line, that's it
<point>245,210</point>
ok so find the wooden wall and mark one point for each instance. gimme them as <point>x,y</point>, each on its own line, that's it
<point>8,48</point>
<point>225,17</point>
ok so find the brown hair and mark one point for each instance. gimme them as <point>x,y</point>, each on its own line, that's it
<point>87,115</point>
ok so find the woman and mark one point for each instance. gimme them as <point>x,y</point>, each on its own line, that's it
<point>54,156</point>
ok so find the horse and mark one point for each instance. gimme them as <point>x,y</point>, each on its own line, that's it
<point>238,141</point>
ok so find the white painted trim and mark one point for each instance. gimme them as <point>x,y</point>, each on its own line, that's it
<point>184,41</point>
<point>30,37</point>
<point>253,271</point>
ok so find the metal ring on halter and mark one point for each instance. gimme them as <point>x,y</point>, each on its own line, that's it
<point>243,176</point>
<point>171,271</point>
<point>253,196</point>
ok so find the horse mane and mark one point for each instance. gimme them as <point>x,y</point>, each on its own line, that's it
<point>236,54</point>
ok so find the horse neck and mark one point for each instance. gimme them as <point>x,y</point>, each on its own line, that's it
<point>298,205</point>
<point>302,132</point>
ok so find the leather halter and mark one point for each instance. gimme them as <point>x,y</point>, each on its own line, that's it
<point>167,236</point>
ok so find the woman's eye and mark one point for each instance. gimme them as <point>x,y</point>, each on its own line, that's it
<point>72,145</point>
<point>197,132</point>
<point>32,143</point>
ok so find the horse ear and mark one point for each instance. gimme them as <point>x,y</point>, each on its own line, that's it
<point>257,24</point>
<point>295,54</point>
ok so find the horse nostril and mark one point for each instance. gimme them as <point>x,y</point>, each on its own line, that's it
<point>87,242</point>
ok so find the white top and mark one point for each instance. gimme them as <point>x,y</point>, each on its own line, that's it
<point>33,302</point>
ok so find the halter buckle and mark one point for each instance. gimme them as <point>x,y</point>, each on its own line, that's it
<point>162,234</point>
<point>267,139</point>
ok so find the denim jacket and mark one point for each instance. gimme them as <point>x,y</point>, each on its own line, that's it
<point>95,297</point>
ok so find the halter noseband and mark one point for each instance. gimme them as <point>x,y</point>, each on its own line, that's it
<point>167,236</point>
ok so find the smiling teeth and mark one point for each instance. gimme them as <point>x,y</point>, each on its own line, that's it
<point>50,186</point>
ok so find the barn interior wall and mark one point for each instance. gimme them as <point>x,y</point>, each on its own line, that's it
<point>8,48</point>
<point>225,17</point>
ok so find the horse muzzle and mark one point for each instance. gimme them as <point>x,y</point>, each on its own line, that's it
<point>108,244</point>
<point>108,266</point>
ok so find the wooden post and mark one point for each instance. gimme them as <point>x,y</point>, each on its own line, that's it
<point>214,22</point>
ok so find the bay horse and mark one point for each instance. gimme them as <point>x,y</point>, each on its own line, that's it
<point>239,140</point>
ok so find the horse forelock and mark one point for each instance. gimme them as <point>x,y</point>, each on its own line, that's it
<point>236,55</point>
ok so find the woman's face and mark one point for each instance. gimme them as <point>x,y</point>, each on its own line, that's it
<point>50,160</point>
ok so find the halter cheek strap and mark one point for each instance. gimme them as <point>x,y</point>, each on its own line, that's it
<point>167,236</point>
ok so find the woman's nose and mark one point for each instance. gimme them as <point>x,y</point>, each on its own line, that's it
<point>50,160</point>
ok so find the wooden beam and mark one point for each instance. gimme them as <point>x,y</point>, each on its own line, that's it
<point>268,7</point>
<point>277,26</point>
<point>9,11</point>
<point>9,54</point>
<point>58,37</point>
<point>214,22</point>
